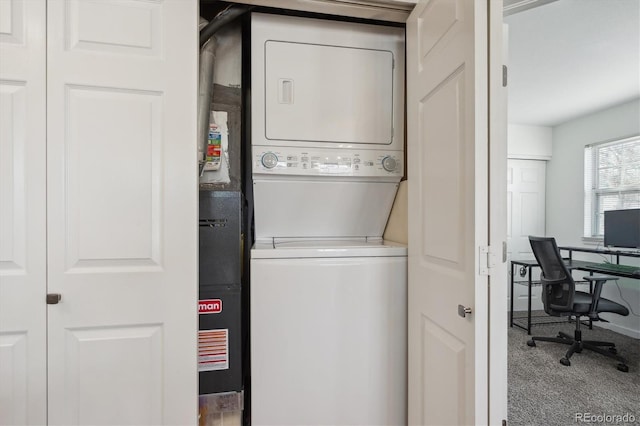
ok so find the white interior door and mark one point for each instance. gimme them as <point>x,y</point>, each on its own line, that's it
<point>122,211</point>
<point>448,127</point>
<point>23,330</point>
<point>525,216</point>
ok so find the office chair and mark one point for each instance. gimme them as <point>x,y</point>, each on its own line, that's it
<point>560,298</point>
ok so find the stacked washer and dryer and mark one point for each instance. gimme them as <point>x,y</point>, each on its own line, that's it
<point>328,295</point>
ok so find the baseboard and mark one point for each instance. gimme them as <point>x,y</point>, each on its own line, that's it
<point>620,329</point>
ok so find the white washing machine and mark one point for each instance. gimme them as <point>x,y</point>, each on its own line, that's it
<point>328,295</point>
<point>328,327</point>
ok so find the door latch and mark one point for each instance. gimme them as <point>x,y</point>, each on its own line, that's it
<point>53,298</point>
<point>463,311</point>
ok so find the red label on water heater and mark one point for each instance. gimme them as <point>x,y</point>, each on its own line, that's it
<point>210,306</point>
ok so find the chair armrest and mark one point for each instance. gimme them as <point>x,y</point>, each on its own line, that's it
<point>599,280</point>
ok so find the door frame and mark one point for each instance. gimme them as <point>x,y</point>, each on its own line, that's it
<point>498,288</point>
<point>495,361</point>
<point>394,12</point>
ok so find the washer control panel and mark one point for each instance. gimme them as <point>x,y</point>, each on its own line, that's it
<point>269,160</point>
<point>389,163</point>
<point>321,162</point>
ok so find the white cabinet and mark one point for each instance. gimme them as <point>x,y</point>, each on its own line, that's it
<point>98,195</point>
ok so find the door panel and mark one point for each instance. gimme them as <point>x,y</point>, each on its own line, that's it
<point>121,228</point>
<point>443,172</point>
<point>22,213</point>
<point>91,27</point>
<point>448,178</point>
<point>122,212</point>
<point>136,389</point>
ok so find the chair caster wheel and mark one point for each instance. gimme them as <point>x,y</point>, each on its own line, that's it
<point>623,367</point>
<point>613,350</point>
<point>531,343</point>
<point>565,361</point>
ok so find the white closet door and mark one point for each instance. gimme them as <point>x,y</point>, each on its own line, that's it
<point>22,213</point>
<point>448,177</point>
<point>525,216</point>
<point>122,211</point>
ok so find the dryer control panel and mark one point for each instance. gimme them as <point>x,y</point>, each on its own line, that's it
<point>320,162</point>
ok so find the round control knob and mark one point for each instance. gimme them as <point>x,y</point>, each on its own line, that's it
<point>389,164</point>
<point>269,160</point>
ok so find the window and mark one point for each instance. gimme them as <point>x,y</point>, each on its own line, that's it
<point>611,181</point>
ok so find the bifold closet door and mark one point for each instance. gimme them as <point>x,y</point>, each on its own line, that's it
<point>23,369</point>
<point>122,211</point>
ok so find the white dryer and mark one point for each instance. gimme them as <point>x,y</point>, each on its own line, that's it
<point>328,295</point>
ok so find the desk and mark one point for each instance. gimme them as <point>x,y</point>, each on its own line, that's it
<point>529,264</point>
<point>591,267</point>
<point>599,267</point>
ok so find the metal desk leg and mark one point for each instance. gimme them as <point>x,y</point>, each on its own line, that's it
<point>529,304</point>
<point>590,292</point>
<point>511,312</point>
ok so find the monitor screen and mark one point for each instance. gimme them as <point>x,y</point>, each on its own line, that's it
<point>622,228</point>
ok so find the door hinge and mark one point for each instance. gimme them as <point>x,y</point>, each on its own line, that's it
<point>504,76</point>
<point>486,259</point>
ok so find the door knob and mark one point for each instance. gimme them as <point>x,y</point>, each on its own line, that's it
<point>53,298</point>
<point>463,311</point>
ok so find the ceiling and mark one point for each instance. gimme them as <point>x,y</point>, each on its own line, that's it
<point>569,58</point>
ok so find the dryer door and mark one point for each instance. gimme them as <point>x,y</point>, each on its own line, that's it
<point>326,84</point>
<point>328,93</point>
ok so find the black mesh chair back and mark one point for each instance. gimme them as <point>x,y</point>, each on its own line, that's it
<point>560,299</point>
<point>558,287</point>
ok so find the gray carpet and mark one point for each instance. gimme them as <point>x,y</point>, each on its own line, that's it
<point>544,392</point>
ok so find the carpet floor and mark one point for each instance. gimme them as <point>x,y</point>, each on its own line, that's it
<point>544,392</point>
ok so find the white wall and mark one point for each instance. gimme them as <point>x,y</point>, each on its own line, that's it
<point>565,171</point>
<point>529,142</point>
<point>565,192</point>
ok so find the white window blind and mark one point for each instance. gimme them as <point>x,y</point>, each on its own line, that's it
<point>611,181</point>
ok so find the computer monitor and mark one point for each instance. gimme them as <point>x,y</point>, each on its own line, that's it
<point>622,228</point>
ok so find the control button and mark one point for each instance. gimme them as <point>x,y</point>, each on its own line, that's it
<point>269,160</point>
<point>389,164</point>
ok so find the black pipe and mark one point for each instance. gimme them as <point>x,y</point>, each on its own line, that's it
<point>221,20</point>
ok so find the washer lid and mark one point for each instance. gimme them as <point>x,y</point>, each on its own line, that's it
<point>327,248</point>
